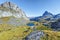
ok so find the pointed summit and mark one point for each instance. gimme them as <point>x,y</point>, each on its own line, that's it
<point>46,13</point>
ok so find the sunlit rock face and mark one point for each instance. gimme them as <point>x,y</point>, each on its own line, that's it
<point>13,12</point>
<point>9,5</point>
<point>36,35</point>
<point>10,9</point>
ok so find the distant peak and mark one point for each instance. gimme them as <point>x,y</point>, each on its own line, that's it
<point>47,13</point>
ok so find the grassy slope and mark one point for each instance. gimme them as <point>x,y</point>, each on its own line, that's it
<point>49,33</point>
<point>14,33</point>
<point>10,32</point>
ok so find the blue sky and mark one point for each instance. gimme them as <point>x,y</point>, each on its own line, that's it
<point>34,8</point>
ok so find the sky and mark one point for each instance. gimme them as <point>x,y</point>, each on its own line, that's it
<point>34,8</point>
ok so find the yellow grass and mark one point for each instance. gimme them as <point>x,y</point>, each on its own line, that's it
<point>51,35</point>
<point>14,32</point>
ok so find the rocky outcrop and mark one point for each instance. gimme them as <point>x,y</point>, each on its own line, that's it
<point>36,35</point>
<point>56,25</point>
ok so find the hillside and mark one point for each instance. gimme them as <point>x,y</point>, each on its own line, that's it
<point>15,25</point>
<point>12,14</point>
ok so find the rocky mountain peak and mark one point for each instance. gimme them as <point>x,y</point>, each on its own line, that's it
<point>46,13</point>
<point>11,9</point>
<point>9,5</point>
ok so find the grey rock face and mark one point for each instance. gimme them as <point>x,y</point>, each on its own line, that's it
<point>36,35</point>
<point>9,5</point>
<point>10,9</point>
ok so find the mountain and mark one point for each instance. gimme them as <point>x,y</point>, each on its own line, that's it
<point>35,18</point>
<point>57,16</point>
<point>10,13</point>
<point>47,14</point>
